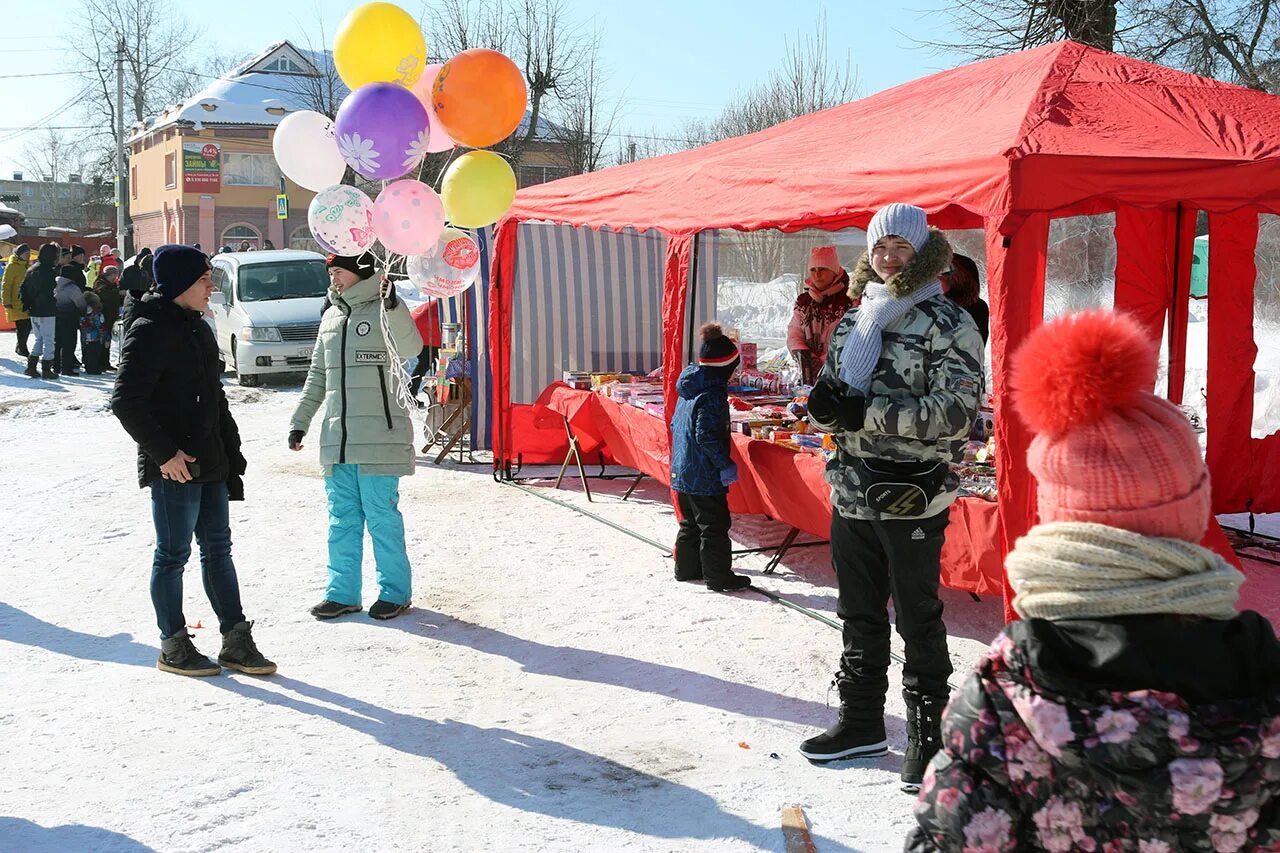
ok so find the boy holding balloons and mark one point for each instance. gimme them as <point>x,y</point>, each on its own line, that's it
<point>366,436</point>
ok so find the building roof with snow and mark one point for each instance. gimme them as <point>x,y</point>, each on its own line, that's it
<point>260,91</point>
<point>263,90</point>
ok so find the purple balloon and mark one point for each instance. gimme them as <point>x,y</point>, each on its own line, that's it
<point>383,131</point>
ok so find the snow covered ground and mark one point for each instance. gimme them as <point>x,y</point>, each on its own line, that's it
<point>553,689</point>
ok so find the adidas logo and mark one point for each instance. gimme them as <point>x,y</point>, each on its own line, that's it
<point>917,534</point>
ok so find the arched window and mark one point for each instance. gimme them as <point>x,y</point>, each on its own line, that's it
<point>239,233</point>
<point>301,239</point>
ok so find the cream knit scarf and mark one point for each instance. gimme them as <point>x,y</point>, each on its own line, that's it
<point>879,310</point>
<point>1076,570</point>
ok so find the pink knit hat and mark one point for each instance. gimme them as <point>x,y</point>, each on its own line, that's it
<point>1107,450</point>
<point>824,257</point>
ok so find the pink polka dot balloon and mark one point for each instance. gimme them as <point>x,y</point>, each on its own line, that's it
<point>408,217</point>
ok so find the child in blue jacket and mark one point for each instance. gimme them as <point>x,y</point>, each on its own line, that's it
<point>701,470</point>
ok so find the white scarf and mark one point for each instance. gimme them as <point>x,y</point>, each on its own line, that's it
<point>879,309</point>
<point>1077,570</point>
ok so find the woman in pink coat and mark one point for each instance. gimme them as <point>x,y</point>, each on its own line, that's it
<point>818,311</point>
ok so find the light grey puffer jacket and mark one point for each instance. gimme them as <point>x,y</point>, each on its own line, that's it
<point>355,378</point>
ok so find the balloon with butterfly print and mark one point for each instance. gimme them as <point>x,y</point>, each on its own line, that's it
<point>408,217</point>
<point>341,220</point>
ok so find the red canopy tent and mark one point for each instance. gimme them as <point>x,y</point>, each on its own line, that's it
<point>1003,145</point>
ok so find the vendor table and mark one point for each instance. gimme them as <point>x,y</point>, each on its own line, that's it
<point>773,480</point>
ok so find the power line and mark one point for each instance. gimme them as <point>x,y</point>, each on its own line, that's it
<point>41,74</point>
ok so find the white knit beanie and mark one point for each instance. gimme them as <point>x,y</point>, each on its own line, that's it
<point>901,220</point>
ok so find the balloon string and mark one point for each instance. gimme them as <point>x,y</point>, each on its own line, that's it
<point>400,375</point>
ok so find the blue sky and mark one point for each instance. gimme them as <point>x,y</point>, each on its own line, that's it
<point>667,60</point>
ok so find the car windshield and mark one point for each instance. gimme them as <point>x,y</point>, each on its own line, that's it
<point>283,280</point>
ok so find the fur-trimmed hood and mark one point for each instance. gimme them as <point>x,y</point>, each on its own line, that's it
<point>933,258</point>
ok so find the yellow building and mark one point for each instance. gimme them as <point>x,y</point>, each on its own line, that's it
<point>203,172</point>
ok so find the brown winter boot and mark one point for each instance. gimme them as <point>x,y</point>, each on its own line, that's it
<point>46,370</point>
<point>31,366</point>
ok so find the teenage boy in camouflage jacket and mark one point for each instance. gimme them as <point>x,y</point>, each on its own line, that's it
<point>899,391</point>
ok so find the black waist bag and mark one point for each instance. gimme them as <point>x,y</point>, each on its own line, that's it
<point>899,489</point>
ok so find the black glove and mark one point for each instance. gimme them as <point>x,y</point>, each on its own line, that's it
<point>831,410</point>
<point>295,438</point>
<point>235,488</point>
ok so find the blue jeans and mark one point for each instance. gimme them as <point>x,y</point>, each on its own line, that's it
<point>357,501</point>
<point>180,510</point>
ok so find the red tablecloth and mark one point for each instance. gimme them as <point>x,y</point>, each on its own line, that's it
<point>774,481</point>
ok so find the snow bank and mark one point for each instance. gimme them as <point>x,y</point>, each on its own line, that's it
<point>553,689</point>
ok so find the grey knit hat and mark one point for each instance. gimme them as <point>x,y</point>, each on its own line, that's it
<point>901,220</point>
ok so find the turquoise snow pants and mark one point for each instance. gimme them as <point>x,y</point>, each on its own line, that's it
<point>357,501</point>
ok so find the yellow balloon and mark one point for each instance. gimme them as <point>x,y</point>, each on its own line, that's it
<point>379,43</point>
<point>477,189</point>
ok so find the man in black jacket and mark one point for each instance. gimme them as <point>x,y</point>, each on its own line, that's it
<point>168,395</point>
<point>38,300</point>
<point>74,268</point>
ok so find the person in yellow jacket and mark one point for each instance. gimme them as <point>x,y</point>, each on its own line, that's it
<point>15,271</point>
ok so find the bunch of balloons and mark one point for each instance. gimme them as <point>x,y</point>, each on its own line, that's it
<point>400,109</point>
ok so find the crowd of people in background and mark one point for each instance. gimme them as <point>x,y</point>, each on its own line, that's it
<point>64,305</point>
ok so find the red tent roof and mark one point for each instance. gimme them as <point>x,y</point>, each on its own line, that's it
<point>1063,128</point>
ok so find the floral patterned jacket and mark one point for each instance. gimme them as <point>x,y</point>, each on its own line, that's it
<point>1149,734</point>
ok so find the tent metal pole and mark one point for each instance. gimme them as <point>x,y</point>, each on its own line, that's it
<point>1173,302</point>
<point>691,303</point>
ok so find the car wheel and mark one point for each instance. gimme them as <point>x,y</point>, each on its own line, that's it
<point>248,380</point>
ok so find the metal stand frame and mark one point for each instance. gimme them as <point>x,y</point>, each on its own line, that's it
<point>575,454</point>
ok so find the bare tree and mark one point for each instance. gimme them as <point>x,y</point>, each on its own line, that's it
<point>809,79</point>
<point>540,36</point>
<point>585,122</point>
<point>156,38</point>
<point>1234,40</point>
<point>53,156</point>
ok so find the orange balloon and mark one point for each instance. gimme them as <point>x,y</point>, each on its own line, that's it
<point>480,97</point>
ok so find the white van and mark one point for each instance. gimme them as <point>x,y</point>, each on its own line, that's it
<point>266,310</point>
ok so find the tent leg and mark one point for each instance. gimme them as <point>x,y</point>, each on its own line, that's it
<point>633,486</point>
<point>782,550</point>
<point>576,456</point>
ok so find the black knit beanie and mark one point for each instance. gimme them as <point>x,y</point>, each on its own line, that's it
<point>176,268</point>
<point>364,265</point>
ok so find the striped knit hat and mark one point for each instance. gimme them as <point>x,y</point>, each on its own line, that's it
<point>716,350</point>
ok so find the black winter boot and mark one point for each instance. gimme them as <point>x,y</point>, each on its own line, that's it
<point>328,609</point>
<point>180,656</point>
<point>46,370</point>
<point>31,371</point>
<point>732,583</point>
<point>924,736</point>
<point>240,653</point>
<point>386,609</point>
<point>858,732</point>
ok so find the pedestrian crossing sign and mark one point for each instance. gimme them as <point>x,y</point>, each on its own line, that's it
<point>282,206</point>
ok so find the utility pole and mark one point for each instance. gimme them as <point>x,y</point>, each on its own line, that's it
<point>122,197</point>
